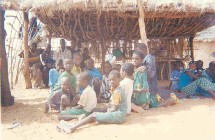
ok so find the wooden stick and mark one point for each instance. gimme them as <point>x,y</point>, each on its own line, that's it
<point>26,51</point>
<point>142,25</point>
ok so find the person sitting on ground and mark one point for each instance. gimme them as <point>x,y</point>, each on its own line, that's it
<point>199,68</point>
<point>55,73</point>
<point>95,75</point>
<point>87,100</point>
<point>63,52</point>
<point>48,62</point>
<point>37,76</point>
<point>127,71</point>
<point>77,58</point>
<point>141,96</point>
<point>203,85</point>
<point>63,98</point>
<point>175,75</point>
<point>149,65</point>
<point>105,93</point>
<point>67,63</point>
<point>188,75</point>
<point>115,114</point>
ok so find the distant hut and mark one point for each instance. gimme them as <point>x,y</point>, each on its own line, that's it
<point>204,46</point>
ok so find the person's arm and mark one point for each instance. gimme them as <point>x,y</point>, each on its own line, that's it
<point>140,90</point>
<point>78,107</point>
<point>115,102</point>
<point>191,75</point>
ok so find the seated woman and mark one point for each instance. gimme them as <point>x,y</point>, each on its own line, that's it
<point>175,75</point>
<point>188,75</point>
<point>203,85</point>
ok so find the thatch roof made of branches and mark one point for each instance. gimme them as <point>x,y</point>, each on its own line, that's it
<point>118,19</point>
<point>207,35</point>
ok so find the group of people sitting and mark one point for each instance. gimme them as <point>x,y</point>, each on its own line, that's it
<point>195,80</point>
<point>76,88</point>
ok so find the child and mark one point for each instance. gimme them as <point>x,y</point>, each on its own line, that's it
<point>141,95</point>
<point>126,72</point>
<point>105,94</point>
<point>188,75</point>
<point>115,114</point>
<point>37,76</point>
<point>62,98</point>
<point>95,75</point>
<point>77,58</point>
<point>87,100</point>
<point>54,73</point>
<point>67,73</point>
<point>199,68</point>
<point>174,77</point>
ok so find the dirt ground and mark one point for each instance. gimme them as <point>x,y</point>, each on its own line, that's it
<point>191,119</point>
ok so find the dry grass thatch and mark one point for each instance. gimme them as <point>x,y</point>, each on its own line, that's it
<point>88,20</point>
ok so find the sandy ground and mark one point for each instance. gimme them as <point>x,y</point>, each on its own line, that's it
<point>191,119</point>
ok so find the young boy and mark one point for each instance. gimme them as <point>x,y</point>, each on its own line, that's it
<point>77,59</point>
<point>115,114</point>
<point>174,77</point>
<point>62,98</point>
<point>87,100</point>
<point>126,72</point>
<point>67,73</point>
<point>55,73</point>
<point>141,95</point>
<point>95,75</point>
<point>105,94</point>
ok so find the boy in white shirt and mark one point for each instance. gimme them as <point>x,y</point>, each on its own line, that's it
<point>126,72</point>
<point>87,100</point>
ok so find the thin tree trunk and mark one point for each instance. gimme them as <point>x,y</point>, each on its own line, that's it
<point>6,98</point>
<point>26,52</point>
<point>142,24</point>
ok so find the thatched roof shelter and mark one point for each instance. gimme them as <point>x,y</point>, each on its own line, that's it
<point>87,20</point>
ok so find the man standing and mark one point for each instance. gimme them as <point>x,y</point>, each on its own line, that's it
<point>63,52</point>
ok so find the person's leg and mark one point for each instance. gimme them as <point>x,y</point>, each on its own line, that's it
<point>89,119</point>
<point>67,117</point>
<point>170,101</point>
<point>45,76</point>
<point>136,108</point>
<point>203,83</point>
<point>75,100</point>
<point>64,102</point>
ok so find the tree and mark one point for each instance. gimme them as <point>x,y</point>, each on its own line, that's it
<point>6,98</point>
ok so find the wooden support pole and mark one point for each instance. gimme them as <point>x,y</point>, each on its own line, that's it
<point>142,24</point>
<point>26,72</point>
<point>191,47</point>
<point>6,98</point>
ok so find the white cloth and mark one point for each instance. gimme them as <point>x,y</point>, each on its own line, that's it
<point>62,54</point>
<point>88,99</point>
<point>127,86</point>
